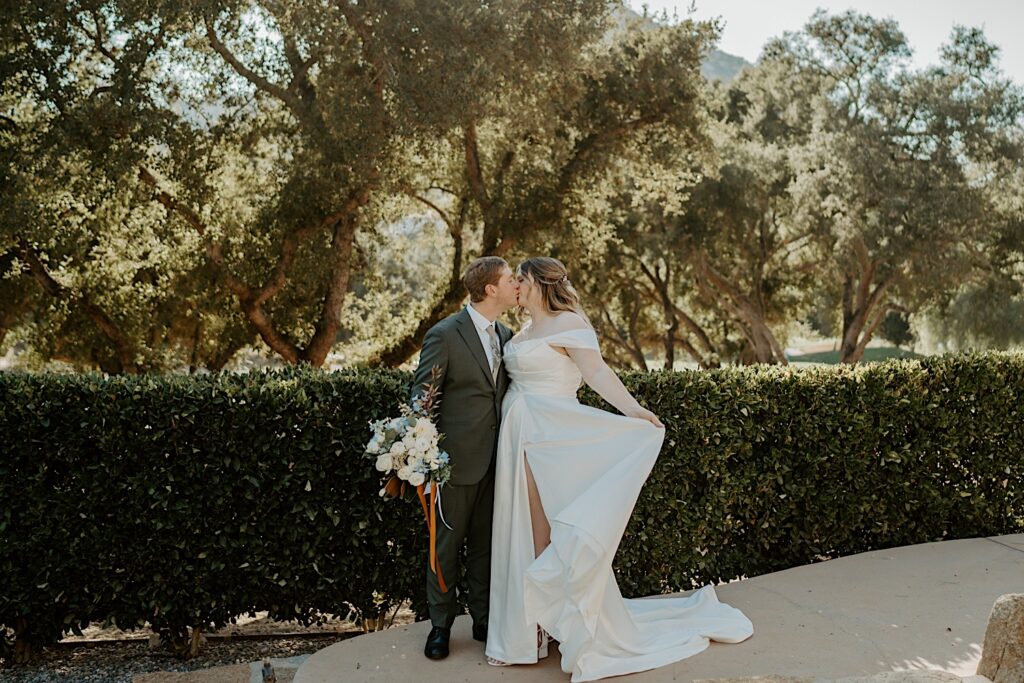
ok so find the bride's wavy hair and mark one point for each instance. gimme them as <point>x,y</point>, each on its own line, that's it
<point>551,276</point>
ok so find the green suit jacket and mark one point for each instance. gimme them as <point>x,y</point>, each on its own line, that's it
<point>470,400</point>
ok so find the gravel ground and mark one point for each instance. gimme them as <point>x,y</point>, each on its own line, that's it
<point>118,663</point>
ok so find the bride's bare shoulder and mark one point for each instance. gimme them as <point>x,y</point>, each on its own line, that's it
<point>566,321</point>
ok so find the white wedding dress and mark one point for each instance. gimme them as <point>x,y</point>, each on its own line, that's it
<point>589,466</point>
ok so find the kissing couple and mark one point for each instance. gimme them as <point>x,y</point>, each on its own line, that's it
<point>542,487</point>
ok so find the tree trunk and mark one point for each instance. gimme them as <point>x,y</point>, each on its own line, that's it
<point>195,642</point>
<point>634,337</point>
<point>856,337</point>
<point>329,323</point>
<point>864,310</point>
<point>762,342</point>
<point>668,310</point>
<point>197,337</point>
<point>217,362</point>
<point>12,308</point>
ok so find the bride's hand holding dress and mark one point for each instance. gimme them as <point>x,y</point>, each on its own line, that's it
<point>602,379</point>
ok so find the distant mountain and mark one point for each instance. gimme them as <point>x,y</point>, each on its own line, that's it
<point>717,66</point>
<point>722,66</point>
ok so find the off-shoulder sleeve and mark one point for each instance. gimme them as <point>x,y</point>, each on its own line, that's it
<point>582,338</point>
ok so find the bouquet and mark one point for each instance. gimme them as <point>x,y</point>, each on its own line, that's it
<point>405,448</point>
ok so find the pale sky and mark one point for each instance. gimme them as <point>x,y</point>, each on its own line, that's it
<point>926,23</point>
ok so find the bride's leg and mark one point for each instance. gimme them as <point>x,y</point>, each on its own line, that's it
<point>539,520</point>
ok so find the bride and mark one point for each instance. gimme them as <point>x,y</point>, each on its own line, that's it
<point>567,478</point>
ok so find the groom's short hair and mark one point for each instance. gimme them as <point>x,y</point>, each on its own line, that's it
<point>484,271</point>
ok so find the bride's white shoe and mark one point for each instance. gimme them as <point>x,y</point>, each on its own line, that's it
<point>542,648</point>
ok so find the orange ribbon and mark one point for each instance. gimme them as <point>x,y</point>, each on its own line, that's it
<point>432,526</point>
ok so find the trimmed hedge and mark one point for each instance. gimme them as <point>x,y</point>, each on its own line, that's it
<point>186,501</point>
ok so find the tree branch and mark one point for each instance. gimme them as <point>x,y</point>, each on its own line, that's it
<point>590,144</point>
<point>98,37</point>
<point>283,94</point>
<point>372,55</point>
<point>682,316</point>
<point>123,347</point>
<point>621,340</point>
<point>214,250</point>
<point>499,177</point>
<point>438,210</point>
<point>248,299</point>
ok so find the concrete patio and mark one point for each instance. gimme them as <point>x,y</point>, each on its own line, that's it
<point>921,607</point>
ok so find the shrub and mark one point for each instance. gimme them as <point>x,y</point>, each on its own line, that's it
<point>186,501</point>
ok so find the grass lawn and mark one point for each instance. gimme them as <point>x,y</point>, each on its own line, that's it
<point>878,353</point>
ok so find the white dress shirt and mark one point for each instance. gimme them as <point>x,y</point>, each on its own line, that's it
<point>481,324</point>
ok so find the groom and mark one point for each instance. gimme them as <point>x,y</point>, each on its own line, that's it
<point>467,348</point>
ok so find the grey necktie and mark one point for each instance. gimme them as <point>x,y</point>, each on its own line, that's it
<point>495,352</point>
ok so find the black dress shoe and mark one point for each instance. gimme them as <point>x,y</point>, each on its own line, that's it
<point>437,643</point>
<point>480,632</point>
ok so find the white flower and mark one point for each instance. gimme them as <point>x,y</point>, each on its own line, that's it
<point>424,428</point>
<point>422,445</point>
<point>417,478</point>
<point>404,473</point>
<point>384,462</point>
<point>398,448</point>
